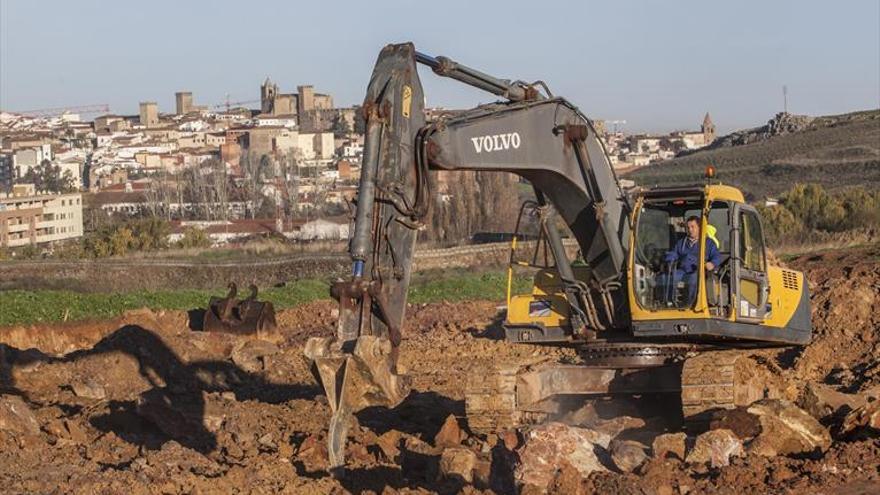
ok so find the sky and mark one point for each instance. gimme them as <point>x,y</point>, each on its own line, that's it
<point>658,65</point>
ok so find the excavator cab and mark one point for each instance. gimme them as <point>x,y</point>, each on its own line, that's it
<point>742,298</point>
<point>661,280</point>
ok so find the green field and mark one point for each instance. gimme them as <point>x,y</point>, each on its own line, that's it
<point>34,306</point>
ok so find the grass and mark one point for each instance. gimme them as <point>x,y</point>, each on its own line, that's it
<point>22,307</point>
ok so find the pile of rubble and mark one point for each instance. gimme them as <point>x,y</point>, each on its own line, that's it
<point>781,124</point>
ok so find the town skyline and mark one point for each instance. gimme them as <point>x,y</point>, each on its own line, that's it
<point>660,69</point>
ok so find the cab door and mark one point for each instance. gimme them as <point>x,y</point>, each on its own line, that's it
<point>751,285</point>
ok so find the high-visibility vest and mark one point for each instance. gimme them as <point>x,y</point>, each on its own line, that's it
<point>710,233</point>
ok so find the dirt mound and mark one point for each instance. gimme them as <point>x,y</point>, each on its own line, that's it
<point>145,404</point>
<point>845,292</point>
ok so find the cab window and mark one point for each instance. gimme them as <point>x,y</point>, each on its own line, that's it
<point>751,245</point>
<point>719,218</point>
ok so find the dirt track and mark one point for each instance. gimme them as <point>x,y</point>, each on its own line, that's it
<point>144,405</point>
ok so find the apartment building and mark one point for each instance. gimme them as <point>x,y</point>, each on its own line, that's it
<point>30,218</point>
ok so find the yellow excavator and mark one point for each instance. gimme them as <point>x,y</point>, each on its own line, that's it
<point>643,322</point>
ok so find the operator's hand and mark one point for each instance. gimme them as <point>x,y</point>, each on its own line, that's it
<point>710,266</point>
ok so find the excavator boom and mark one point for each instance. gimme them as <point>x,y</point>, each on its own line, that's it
<point>543,139</point>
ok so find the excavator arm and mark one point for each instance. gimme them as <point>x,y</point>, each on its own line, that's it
<point>543,139</point>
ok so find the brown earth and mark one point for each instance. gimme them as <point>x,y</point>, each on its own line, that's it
<point>143,404</point>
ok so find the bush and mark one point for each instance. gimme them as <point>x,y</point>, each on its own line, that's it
<point>146,234</point>
<point>807,211</point>
<point>780,225</point>
<point>28,252</point>
<point>815,208</point>
<point>862,208</point>
<point>194,237</point>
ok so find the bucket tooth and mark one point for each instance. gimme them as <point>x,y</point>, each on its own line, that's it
<point>365,377</point>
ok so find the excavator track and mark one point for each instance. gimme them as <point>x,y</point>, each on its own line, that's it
<point>723,380</point>
<point>491,395</point>
<point>710,380</point>
<point>490,400</point>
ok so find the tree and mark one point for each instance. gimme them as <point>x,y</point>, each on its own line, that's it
<point>472,202</point>
<point>48,177</point>
<point>340,126</point>
<point>121,241</point>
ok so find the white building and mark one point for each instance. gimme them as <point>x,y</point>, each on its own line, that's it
<point>321,230</point>
<point>27,218</point>
<point>25,158</point>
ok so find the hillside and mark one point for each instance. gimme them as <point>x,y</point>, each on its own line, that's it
<point>835,151</point>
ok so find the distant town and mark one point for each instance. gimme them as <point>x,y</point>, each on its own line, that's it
<point>290,167</point>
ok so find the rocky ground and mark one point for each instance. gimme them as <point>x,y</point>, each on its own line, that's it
<point>143,404</point>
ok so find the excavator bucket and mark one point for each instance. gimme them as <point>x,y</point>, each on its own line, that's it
<point>240,316</point>
<point>365,376</point>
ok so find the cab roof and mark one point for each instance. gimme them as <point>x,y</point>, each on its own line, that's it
<point>712,192</point>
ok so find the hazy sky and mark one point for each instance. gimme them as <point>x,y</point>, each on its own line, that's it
<point>659,65</point>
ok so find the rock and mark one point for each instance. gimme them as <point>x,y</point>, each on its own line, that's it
<point>89,390</point>
<point>613,427</point>
<point>511,439</point>
<point>267,443</point>
<point>251,355</point>
<point>419,446</point>
<point>358,453</point>
<point>66,431</point>
<point>285,450</point>
<point>822,401</point>
<point>786,429</point>
<point>111,449</point>
<point>420,457</point>
<point>864,420</point>
<point>628,455</point>
<point>483,471</point>
<point>76,433</point>
<point>313,452</point>
<point>715,447</point>
<point>450,434</point>
<point>669,443</point>
<point>546,446</point>
<point>583,416</point>
<point>457,463</point>
<point>389,444</point>
<point>743,424</point>
<point>17,417</point>
<point>567,480</point>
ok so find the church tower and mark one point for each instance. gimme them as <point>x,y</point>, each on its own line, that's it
<point>708,129</point>
<point>268,91</point>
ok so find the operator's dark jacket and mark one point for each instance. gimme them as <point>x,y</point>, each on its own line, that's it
<point>687,254</point>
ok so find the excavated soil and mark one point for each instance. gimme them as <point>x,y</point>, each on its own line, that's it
<point>144,404</point>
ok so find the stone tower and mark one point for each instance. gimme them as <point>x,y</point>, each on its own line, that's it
<point>268,91</point>
<point>306,100</point>
<point>149,113</point>
<point>708,129</point>
<point>184,101</point>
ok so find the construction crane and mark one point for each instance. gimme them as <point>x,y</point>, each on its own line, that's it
<point>81,109</point>
<point>229,104</point>
<point>615,123</point>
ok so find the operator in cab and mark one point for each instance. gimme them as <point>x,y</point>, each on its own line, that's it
<point>685,255</point>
